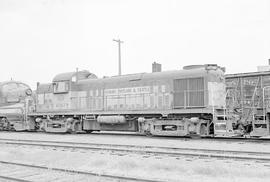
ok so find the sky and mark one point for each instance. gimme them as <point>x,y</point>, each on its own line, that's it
<point>42,38</point>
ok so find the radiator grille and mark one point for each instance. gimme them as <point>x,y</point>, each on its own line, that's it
<point>189,92</point>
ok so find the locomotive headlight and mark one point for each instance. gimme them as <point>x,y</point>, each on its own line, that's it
<point>28,92</point>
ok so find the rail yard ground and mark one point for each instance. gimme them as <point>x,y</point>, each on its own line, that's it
<point>150,166</point>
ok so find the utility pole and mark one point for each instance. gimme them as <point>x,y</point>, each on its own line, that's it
<point>119,54</point>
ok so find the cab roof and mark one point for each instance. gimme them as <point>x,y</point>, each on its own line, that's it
<point>69,75</point>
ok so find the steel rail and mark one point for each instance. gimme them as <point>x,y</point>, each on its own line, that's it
<point>74,172</point>
<point>13,179</point>
<point>13,141</point>
<point>212,153</point>
<point>135,134</point>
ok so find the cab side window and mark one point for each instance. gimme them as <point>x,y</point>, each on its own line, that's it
<point>60,87</point>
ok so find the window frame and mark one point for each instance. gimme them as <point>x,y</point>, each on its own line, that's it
<point>65,89</point>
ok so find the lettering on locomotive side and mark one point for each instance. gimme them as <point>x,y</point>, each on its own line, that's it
<point>129,90</point>
<point>110,91</point>
<point>144,97</point>
<point>62,106</point>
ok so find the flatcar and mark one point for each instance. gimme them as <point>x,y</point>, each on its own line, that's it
<point>173,103</point>
<point>16,102</point>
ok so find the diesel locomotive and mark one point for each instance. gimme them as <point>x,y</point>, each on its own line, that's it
<point>172,103</point>
<point>16,101</point>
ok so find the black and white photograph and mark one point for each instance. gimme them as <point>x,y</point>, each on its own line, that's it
<point>134,90</point>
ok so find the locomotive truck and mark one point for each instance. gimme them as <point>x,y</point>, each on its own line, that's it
<point>184,102</point>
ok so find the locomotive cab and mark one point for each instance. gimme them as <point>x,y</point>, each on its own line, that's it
<point>56,101</point>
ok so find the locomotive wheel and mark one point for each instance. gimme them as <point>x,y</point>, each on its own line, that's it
<point>5,124</point>
<point>88,131</point>
<point>194,136</point>
<point>203,130</point>
<point>241,127</point>
<point>148,133</point>
<point>76,127</point>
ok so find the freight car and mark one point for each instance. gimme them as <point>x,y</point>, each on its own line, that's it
<point>16,102</point>
<point>248,102</point>
<point>175,103</point>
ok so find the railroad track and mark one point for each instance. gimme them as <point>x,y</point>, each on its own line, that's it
<point>135,134</point>
<point>138,135</point>
<point>207,138</point>
<point>21,172</point>
<point>144,150</point>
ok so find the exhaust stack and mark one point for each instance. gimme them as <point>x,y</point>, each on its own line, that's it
<point>156,67</point>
